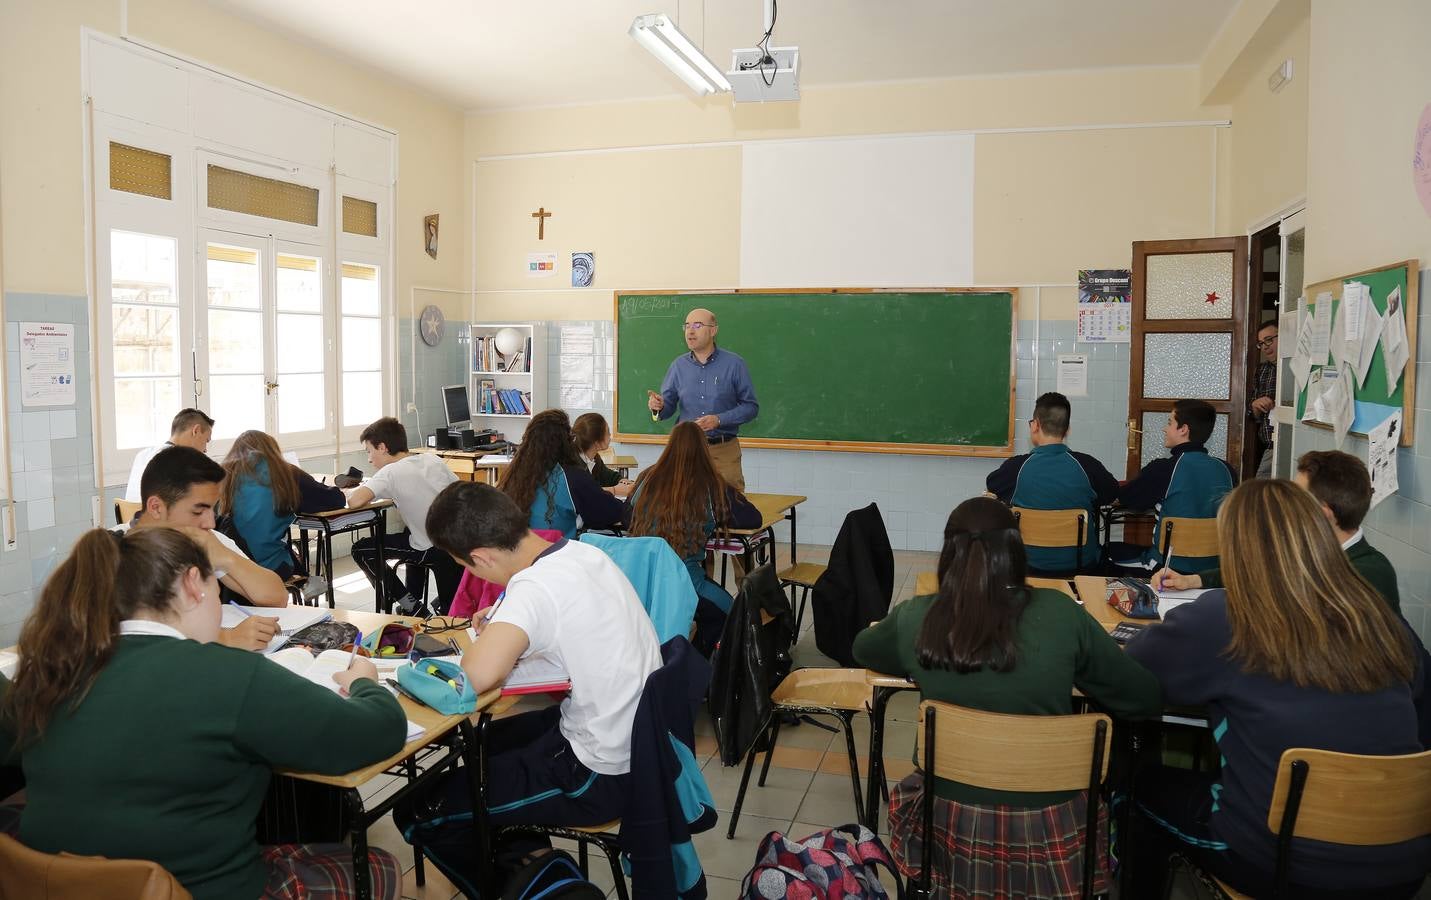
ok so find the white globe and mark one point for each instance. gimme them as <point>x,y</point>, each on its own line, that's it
<point>509,341</point>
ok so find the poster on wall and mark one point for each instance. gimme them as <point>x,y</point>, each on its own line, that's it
<point>1381,457</point>
<point>541,265</point>
<point>1105,306</point>
<point>47,364</point>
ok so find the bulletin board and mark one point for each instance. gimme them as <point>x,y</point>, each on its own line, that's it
<point>1376,399</point>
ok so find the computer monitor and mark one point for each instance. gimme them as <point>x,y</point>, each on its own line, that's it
<point>454,402</point>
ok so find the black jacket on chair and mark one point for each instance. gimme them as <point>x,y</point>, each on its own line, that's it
<point>751,659</point>
<point>857,585</point>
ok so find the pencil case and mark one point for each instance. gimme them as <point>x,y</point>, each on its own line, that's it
<point>1133,599</point>
<point>439,683</point>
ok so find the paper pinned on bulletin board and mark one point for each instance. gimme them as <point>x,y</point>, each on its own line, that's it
<point>1371,326</point>
<point>1321,329</point>
<point>47,364</point>
<point>1073,374</point>
<point>1302,356</point>
<point>1381,457</point>
<point>1395,348</point>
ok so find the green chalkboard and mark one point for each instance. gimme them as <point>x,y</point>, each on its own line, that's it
<point>873,371</point>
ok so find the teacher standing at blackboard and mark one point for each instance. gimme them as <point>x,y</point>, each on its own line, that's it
<point>711,387</point>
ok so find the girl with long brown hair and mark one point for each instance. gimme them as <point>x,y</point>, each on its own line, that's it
<point>140,737</point>
<point>1297,651</point>
<point>684,500</point>
<point>263,492</point>
<point>592,435</point>
<point>548,480</point>
<point>986,640</point>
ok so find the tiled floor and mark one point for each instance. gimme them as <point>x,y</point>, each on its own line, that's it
<point>808,787</point>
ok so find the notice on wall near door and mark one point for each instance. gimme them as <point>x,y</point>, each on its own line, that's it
<point>47,364</point>
<point>1073,374</point>
<point>1381,457</point>
<point>1105,306</point>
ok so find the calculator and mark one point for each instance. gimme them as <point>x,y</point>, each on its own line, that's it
<point>1124,631</point>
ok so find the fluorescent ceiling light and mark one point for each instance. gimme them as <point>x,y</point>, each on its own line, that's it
<point>659,35</point>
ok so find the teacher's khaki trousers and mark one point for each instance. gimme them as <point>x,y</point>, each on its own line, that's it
<point>726,457</point>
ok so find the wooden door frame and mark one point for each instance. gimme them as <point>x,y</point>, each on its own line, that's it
<point>1234,406</point>
<point>1257,242</point>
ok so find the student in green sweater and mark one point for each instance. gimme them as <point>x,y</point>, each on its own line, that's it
<point>1342,485</point>
<point>987,641</point>
<point>142,738</point>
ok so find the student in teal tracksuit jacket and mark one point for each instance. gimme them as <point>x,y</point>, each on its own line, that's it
<point>1055,477</point>
<point>1189,483</point>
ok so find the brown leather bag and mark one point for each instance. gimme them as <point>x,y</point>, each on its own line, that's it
<point>27,874</point>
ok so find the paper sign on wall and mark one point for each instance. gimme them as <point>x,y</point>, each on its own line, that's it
<point>1073,374</point>
<point>47,364</point>
<point>1381,457</point>
<point>541,265</point>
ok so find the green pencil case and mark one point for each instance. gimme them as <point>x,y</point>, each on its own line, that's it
<point>439,683</point>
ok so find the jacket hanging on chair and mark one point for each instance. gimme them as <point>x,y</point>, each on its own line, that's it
<point>856,587</point>
<point>753,656</point>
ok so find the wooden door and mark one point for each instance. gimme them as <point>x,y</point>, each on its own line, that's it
<point>1189,341</point>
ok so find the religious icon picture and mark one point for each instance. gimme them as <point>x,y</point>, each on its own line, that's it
<point>429,232</point>
<point>583,269</point>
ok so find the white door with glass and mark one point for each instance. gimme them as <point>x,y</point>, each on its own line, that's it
<point>261,341</point>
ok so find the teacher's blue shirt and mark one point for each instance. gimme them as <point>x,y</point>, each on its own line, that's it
<point>720,386</point>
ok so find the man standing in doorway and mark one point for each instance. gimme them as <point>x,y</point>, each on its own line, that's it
<point>711,387</point>
<point>1264,395</point>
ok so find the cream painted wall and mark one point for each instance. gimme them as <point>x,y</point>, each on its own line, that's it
<point>41,152</point>
<point>1371,78</point>
<point>1047,202</point>
<point>1268,138</point>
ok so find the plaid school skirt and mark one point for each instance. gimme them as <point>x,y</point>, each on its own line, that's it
<point>997,852</point>
<point>325,872</point>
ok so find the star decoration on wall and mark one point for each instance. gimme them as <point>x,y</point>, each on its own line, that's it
<point>1212,296</point>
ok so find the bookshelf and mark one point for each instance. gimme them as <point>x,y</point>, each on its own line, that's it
<point>505,391</point>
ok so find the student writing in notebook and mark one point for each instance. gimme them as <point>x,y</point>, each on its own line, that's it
<point>141,737</point>
<point>190,428</point>
<point>262,491</point>
<point>683,500</point>
<point>549,481</point>
<point>180,489</point>
<point>568,604</point>
<point>410,480</point>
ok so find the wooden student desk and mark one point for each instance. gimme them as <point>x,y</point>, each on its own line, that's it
<point>453,734</point>
<point>373,516</point>
<point>774,508</point>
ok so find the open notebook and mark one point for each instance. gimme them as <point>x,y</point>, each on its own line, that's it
<point>533,675</point>
<point>291,619</point>
<point>318,669</point>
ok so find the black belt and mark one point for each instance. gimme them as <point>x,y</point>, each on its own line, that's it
<point>719,438</point>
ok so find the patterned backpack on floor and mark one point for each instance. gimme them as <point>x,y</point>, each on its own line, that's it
<point>835,864</point>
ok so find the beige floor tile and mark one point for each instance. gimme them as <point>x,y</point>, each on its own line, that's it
<point>383,833</point>
<point>435,885</point>
<point>723,888</point>
<point>830,801</point>
<point>780,797</point>
<point>806,735</point>
<point>724,858</point>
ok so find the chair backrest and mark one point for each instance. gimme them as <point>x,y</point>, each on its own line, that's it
<point>1052,527</point>
<point>1189,537</point>
<point>47,876</point>
<point>1014,753</point>
<point>124,511</point>
<point>1351,799</point>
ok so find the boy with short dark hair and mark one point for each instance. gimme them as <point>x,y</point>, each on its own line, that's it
<point>1188,483</point>
<point>568,604</point>
<point>411,481</point>
<point>190,428</point>
<point>1055,477</point>
<point>1341,483</point>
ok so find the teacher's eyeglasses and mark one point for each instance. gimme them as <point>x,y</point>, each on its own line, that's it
<point>695,326</point>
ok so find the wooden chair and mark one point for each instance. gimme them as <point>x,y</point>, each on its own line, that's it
<point>839,693</point>
<point>1339,798</point>
<point>1012,753</point>
<point>125,511</point>
<point>803,576</point>
<point>1195,537</point>
<point>62,876</point>
<point>1052,528</point>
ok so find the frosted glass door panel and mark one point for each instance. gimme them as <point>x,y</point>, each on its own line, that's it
<point>1187,366</point>
<point>1189,286</point>
<point>1153,448</point>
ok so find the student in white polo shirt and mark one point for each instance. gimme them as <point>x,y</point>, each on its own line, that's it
<point>190,428</point>
<point>566,603</point>
<point>410,481</point>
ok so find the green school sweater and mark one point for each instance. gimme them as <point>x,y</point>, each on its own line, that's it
<point>169,755</point>
<point>1366,559</point>
<point>1060,647</point>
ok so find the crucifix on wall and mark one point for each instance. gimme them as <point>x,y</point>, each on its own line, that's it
<point>541,216</point>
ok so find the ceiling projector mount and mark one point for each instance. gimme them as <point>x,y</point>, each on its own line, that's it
<point>756,73</point>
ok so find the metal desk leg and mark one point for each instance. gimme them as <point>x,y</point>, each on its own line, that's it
<point>793,543</point>
<point>476,762</point>
<point>362,877</point>
<point>380,593</point>
<point>327,551</point>
<point>875,788</point>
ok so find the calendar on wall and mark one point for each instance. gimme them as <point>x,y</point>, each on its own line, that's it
<point>1105,306</point>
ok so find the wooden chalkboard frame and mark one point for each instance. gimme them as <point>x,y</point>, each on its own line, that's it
<point>1004,450</point>
<point>1411,310</point>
